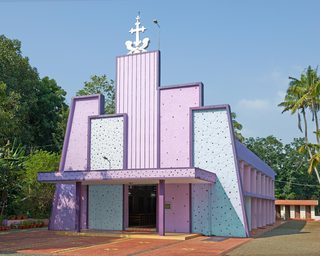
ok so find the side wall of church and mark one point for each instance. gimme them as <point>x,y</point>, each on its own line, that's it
<point>217,209</point>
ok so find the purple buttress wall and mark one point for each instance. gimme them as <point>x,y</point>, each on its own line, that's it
<point>74,157</point>
<point>137,96</point>
<point>175,103</point>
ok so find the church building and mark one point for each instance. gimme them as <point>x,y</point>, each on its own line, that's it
<point>163,162</point>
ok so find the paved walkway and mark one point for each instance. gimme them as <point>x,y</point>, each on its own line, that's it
<point>43,242</point>
<point>292,238</point>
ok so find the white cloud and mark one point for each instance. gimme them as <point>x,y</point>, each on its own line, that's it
<point>255,104</point>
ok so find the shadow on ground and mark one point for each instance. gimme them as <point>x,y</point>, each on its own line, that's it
<point>289,228</point>
<point>294,238</point>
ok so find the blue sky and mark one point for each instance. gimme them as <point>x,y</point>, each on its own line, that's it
<point>243,51</point>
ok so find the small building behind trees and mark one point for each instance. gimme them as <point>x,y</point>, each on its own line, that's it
<point>295,209</point>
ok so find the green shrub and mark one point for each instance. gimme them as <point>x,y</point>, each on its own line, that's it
<point>38,196</point>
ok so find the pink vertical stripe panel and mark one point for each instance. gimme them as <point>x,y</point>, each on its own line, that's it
<point>133,110</point>
<point>137,95</point>
<point>143,117</point>
<point>147,159</point>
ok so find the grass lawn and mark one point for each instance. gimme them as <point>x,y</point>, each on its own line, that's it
<point>292,238</point>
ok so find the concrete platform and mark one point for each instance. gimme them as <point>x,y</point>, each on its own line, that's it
<point>131,234</point>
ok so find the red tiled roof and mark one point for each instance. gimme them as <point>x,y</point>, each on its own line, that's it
<point>296,202</point>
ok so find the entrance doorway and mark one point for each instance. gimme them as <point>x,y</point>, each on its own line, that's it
<point>142,206</point>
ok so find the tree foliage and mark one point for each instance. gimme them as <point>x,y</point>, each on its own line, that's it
<point>11,170</point>
<point>101,85</point>
<point>303,94</point>
<point>30,108</point>
<point>33,115</point>
<point>37,197</point>
<point>9,108</point>
<point>289,165</point>
<point>237,127</point>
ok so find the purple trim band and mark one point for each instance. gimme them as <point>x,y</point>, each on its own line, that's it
<point>161,211</point>
<point>259,196</point>
<point>191,175</point>
<point>141,53</point>
<point>176,86</point>
<point>78,207</point>
<point>159,114</point>
<point>252,159</point>
<point>87,204</point>
<point>67,137</point>
<point>190,208</point>
<point>236,162</point>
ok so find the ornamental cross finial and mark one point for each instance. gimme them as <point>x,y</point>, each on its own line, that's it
<point>137,46</point>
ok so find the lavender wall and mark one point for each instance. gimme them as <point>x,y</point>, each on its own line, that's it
<point>74,157</point>
<point>76,152</point>
<point>175,106</point>
<point>175,103</point>
<point>137,82</point>
<point>63,208</point>
<point>178,216</point>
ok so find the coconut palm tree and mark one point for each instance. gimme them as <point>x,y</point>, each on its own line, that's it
<point>310,98</point>
<point>304,94</point>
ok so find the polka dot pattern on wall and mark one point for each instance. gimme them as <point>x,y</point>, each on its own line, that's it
<point>213,152</point>
<point>105,206</point>
<point>107,134</point>
<point>201,209</point>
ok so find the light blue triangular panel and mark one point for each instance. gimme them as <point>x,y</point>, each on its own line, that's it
<point>213,151</point>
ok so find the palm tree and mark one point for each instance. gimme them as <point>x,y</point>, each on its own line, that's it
<point>303,94</point>
<point>310,97</point>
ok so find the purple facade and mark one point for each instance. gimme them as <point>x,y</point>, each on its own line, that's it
<point>157,144</point>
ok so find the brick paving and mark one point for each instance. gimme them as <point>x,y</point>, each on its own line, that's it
<point>290,238</point>
<point>44,242</point>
